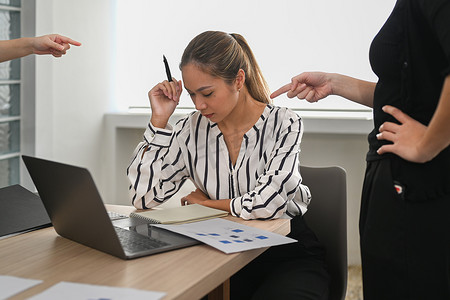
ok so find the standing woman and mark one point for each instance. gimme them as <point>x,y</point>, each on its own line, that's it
<point>405,209</point>
<point>242,154</point>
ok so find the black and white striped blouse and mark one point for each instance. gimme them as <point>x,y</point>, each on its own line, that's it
<point>264,183</point>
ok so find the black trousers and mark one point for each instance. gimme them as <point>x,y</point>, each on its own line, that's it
<point>405,245</point>
<point>292,271</point>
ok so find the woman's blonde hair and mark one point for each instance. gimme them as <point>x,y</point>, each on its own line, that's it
<point>222,55</point>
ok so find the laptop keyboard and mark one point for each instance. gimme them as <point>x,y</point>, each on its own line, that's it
<point>132,241</point>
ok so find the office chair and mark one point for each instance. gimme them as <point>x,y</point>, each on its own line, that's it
<point>327,217</point>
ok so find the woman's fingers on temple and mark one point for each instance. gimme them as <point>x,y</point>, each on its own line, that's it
<point>163,88</point>
<point>167,88</point>
<point>179,88</point>
<point>175,91</point>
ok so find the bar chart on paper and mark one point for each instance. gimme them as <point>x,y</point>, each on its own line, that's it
<point>228,236</point>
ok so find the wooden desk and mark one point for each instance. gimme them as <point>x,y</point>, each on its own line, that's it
<point>188,273</point>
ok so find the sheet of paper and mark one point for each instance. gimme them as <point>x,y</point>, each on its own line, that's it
<point>79,291</point>
<point>10,285</point>
<point>229,236</point>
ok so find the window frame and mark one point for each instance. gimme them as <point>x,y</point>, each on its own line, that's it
<point>27,82</point>
<point>28,93</point>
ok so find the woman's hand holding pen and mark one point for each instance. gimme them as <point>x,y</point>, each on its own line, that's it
<point>164,98</point>
<point>312,86</point>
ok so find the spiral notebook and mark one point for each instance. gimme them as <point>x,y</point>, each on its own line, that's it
<point>179,215</point>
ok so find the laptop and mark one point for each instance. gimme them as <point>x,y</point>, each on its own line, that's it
<point>78,213</point>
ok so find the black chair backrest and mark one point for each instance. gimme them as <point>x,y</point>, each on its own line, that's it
<point>327,217</point>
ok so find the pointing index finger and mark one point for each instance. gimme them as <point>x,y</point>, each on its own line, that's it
<point>284,89</point>
<point>68,40</point>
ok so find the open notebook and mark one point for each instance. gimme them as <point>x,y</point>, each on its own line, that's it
<point>179,215</point>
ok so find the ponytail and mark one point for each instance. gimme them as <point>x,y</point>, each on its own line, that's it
<point>222,55</point>
<point>255,82</point>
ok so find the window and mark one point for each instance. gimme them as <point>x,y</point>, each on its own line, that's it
<point>287,37</point>
<point>10,84</point>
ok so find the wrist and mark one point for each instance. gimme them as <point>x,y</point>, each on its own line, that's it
<point>159,122</point>
<point>223,204</point>
<point>334,81</point>
<point>21,47</point>
<point>425,152</point>
<point>27,45</point>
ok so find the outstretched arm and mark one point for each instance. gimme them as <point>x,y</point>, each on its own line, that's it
<point>54,44</point>
<point>314,86</point>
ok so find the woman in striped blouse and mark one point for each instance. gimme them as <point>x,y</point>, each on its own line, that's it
<point>242,154</point>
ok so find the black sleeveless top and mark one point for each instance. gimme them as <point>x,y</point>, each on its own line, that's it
<point>411,57</point>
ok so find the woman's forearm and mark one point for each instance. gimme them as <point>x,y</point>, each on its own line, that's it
<point>12,49</point>
<point>223,204</point>
<point>437,135</point>
<point>353,89</point>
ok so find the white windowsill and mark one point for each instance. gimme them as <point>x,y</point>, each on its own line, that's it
<point>315,121</point>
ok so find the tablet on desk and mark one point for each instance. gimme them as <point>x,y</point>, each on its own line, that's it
<point>21,211</point>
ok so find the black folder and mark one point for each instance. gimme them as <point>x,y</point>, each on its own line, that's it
<point>21,211</point>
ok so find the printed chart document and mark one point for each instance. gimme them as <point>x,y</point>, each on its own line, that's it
<point>228,236</point>
<point>11,285</point>
<point>76,291</point>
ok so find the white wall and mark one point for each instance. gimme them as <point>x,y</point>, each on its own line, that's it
<point>286,36</point>
<point>74,92</point>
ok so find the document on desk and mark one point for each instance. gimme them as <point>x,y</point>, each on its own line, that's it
<point>11,285</point>
<point>76,291</point>
<point>228,236</point>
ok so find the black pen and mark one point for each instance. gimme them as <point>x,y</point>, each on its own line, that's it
<point>169,76</point>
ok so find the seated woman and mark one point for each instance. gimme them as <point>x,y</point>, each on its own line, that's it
<point>242,154</point>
